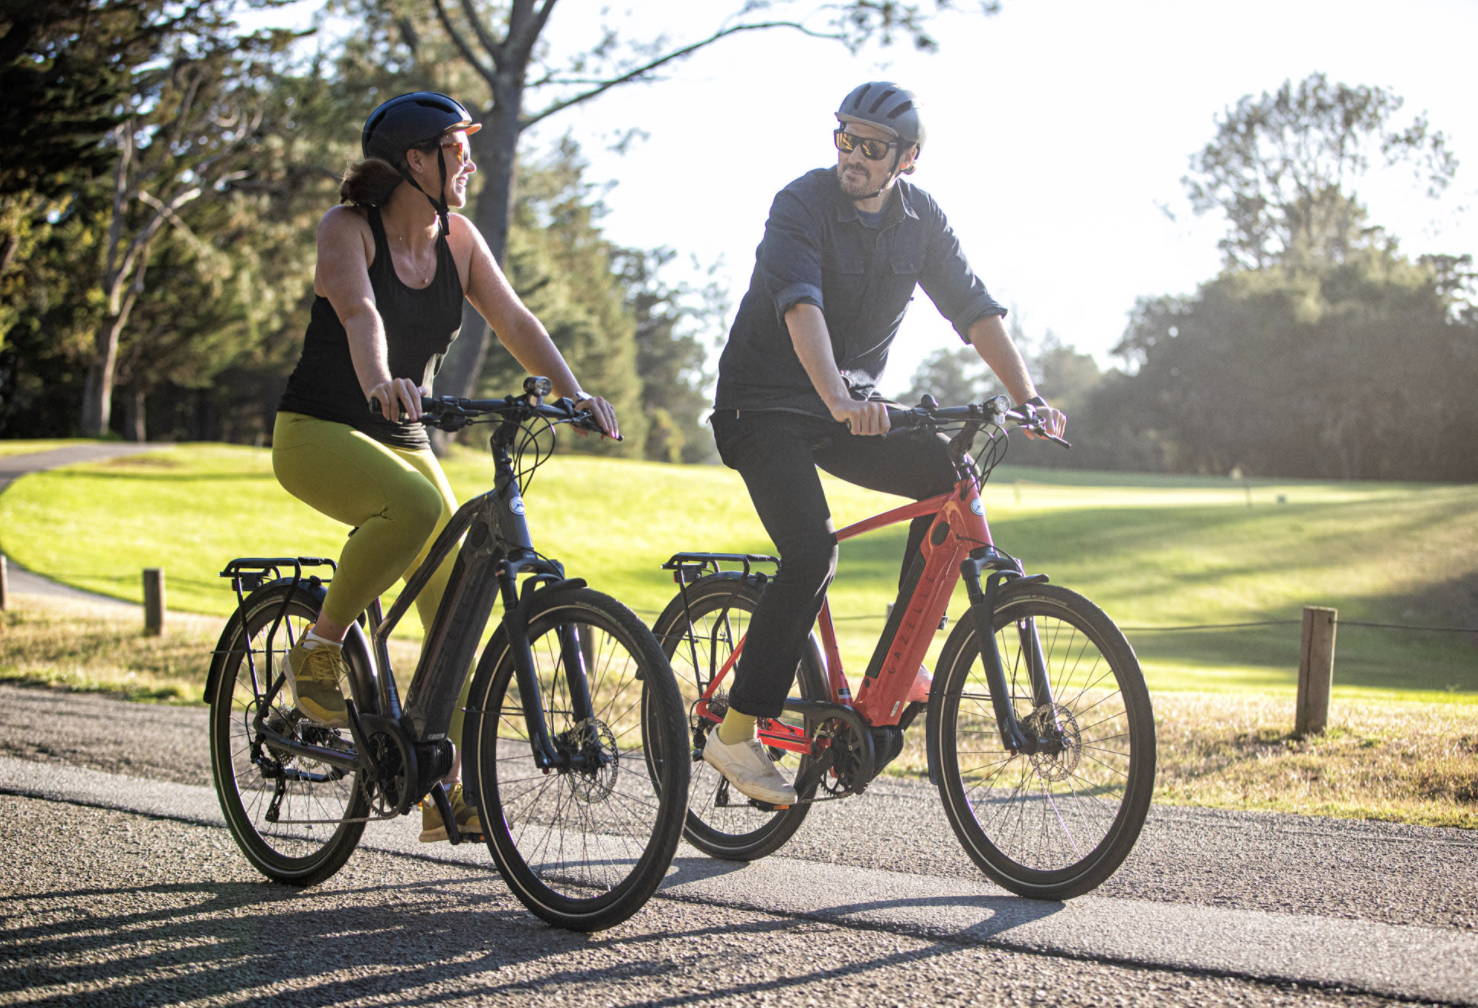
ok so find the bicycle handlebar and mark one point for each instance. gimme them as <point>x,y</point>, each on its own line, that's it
<point>449,413</point>
<point>996,410</point>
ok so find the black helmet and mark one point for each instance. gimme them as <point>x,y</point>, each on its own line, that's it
<point>411,120</point>
<point>887,106</point>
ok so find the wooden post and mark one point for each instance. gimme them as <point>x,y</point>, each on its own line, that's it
<point>1315,670</point>
<point>2,580</point>
<point>153,601</point>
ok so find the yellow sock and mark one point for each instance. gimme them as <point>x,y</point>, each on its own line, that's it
<point>735,727</point>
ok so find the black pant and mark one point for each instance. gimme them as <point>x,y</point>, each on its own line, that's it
<point>777,454</point>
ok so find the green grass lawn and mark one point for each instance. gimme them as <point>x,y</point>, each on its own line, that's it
<point>1155,552</point>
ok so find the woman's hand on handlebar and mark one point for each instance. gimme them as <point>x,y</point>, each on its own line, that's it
<point>396,399</point>
<point>602,412</point>
<point>863,417</point>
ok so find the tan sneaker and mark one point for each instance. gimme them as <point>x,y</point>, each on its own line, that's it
<point>469,823</point>
<point>313,675</point>
<point>747,766</point>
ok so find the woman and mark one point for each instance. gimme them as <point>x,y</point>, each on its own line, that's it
<point>394,265</point>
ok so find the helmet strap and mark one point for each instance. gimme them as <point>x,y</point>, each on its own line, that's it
<point>439,205</point>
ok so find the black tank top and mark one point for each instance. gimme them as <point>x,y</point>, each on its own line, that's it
<point>419,326</point>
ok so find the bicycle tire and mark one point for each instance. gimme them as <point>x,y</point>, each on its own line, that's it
<point>320,811</point>
<point>698,638</point>
<point>583,850</point>
<point>1049,826</point>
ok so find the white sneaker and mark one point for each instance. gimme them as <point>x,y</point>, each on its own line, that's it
<point>747,766</point>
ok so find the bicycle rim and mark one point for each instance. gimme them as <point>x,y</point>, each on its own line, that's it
<point>699,639</point>
<point>1053,824</point>
<point>581,848</point>
<point>289,815</point>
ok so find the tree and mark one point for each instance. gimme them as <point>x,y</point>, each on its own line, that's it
<point>65,70</point>
<point>565,270</point>
<point>672,353</point>
<point>1350,370</point>
<point>1283,168</point>
<point>193,123</point>
<point>505,47</point>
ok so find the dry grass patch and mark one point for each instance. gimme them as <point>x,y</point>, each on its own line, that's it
<point>1404,762</point>
<point>81,646</point>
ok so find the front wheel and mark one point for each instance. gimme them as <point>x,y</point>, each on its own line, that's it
<point>584,843</point>
<point>297,820</point>
<point>1053,823</point>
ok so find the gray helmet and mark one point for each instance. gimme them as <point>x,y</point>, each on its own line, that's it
<point>887,106</point>
<point>411,120</point>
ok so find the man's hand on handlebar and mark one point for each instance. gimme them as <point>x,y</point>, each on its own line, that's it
<point>863,417</point>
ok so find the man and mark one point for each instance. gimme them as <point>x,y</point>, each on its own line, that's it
<point>842,253</point>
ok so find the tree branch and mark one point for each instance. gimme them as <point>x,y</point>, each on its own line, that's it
<point>490,45</point>
<point>676,54</point>
<point>477,65</point>
<point>525,26</point>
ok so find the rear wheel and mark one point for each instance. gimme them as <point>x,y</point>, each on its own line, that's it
<point>699,639</point>
<point>585,844</point>
<point>1054,823</point>
<point>296,819</point>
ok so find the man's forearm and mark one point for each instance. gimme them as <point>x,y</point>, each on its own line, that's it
<point>812,343</point>
<point>989,338</point>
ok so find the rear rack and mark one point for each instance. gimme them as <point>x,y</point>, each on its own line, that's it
<point>247,574</point>
<point>689,567</point>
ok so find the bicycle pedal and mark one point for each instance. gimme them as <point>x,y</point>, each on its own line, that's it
<point>766,806</point>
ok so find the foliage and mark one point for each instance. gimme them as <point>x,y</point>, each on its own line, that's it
<point>1348,370</point>
<point>1283,166</point>
<point>1321,350</point>
<point>671,353</point>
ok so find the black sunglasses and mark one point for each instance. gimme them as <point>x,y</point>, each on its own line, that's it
<point>873,150</point>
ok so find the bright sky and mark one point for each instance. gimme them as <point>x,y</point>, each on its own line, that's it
<point>1059,131</point>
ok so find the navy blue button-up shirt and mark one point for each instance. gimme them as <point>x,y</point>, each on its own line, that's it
<point>817,249</point>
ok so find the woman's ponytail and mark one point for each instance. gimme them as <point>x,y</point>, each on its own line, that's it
<point>369,182</point>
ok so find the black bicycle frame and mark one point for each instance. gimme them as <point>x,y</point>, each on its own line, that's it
<point>497,542</point>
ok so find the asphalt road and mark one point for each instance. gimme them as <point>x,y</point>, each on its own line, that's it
<point>121,887</point>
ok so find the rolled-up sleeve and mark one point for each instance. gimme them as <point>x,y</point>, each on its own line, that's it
<point>956,291</point>
<point>789,256</point>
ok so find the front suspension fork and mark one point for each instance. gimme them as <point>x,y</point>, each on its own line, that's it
<point>1005,570</point>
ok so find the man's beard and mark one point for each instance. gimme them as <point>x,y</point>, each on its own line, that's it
<point>856,189</point>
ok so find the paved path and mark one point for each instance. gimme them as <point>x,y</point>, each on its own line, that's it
<point>21,581</point>
<point>111,843</point>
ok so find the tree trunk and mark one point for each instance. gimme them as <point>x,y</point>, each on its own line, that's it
<point>97,393</point>
<point>134,412</point>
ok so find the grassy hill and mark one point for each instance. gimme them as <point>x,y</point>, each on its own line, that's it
<point>1155,552</point>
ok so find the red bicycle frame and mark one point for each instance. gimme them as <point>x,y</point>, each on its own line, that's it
<point>959,528</point>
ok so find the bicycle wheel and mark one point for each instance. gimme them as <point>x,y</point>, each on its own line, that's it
<point>583,848</point>
<point>297,820</point>
<point>1055,824</point>
<point>699,638</point>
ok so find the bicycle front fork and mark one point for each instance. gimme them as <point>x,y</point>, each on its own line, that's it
<point>1005,570</point>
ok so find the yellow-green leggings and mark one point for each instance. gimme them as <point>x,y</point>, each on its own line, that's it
<point>397,499</point>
